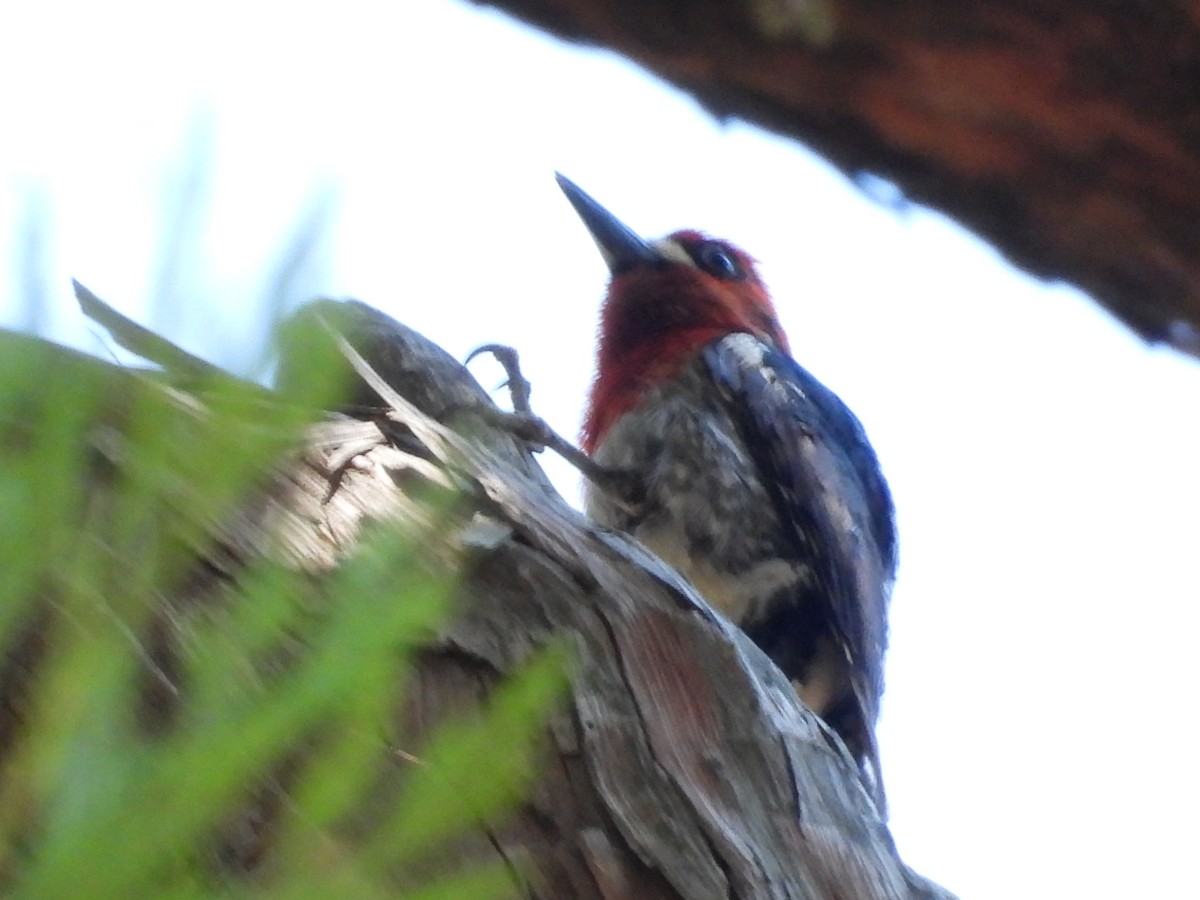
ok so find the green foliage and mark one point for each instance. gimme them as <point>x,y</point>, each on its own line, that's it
<point>112,482</point>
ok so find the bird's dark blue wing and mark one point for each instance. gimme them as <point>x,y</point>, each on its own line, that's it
<point>829,494</point>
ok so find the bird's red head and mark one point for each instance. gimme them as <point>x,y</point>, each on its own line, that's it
<point>667,299</point>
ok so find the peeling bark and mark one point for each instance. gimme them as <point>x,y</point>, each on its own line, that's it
<point>681,764</point>
<point>684,767</point>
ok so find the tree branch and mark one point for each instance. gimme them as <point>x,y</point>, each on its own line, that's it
<point>681,764</point>
<point>684,765</point>
<point>1064,134</point>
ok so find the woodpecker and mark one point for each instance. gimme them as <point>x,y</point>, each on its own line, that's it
<point>754,480</point>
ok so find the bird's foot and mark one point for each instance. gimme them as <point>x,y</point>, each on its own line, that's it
<point>535,431</point>
<point>519,388</point>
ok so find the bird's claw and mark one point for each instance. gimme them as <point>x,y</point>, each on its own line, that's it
<point>519,388</point>
<point>535,431</point>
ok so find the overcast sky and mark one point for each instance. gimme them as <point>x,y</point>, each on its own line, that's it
<point>1038,731</point>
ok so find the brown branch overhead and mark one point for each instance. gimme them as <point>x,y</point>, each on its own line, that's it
<point>1067,134</point>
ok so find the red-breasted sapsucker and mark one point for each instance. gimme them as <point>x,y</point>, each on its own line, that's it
<point>753,479</point>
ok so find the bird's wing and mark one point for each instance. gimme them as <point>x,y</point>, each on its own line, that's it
<point>827,488</point>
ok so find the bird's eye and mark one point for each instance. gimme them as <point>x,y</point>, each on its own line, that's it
<point>716,260</point>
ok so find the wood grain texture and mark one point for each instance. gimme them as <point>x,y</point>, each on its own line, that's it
<point>684,766</point>
<point>1066,134</point>
<point>681,764</point>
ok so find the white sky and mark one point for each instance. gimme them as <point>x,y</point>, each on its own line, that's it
<point>1039,719</point>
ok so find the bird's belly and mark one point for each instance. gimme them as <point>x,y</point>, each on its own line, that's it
<point>705,510</point>
<point>739,594</point>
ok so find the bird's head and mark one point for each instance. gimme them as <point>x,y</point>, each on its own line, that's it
<point>666,300</point>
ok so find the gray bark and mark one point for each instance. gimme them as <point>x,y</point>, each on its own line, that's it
<point>681,764</point>
<point>684,765</point>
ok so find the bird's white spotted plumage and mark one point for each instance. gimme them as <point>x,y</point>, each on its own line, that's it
<point>754,480</point>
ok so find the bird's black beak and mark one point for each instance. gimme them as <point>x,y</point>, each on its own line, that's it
<point>620,246</point>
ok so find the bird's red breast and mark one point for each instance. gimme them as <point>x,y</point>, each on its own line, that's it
<point>655,319</point>
<point>754,480</point>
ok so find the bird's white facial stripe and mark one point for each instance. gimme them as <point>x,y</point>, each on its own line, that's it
<point>673,250</point>
<point>749,349</point>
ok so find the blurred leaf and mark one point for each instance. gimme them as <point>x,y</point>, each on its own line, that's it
<point>471,771</point>
<point>485,883</point>
<point>114,485</point>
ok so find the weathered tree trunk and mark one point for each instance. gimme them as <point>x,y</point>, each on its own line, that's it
<point>683,765</point>
<point>680,766</point>
<point>1067,134</point>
